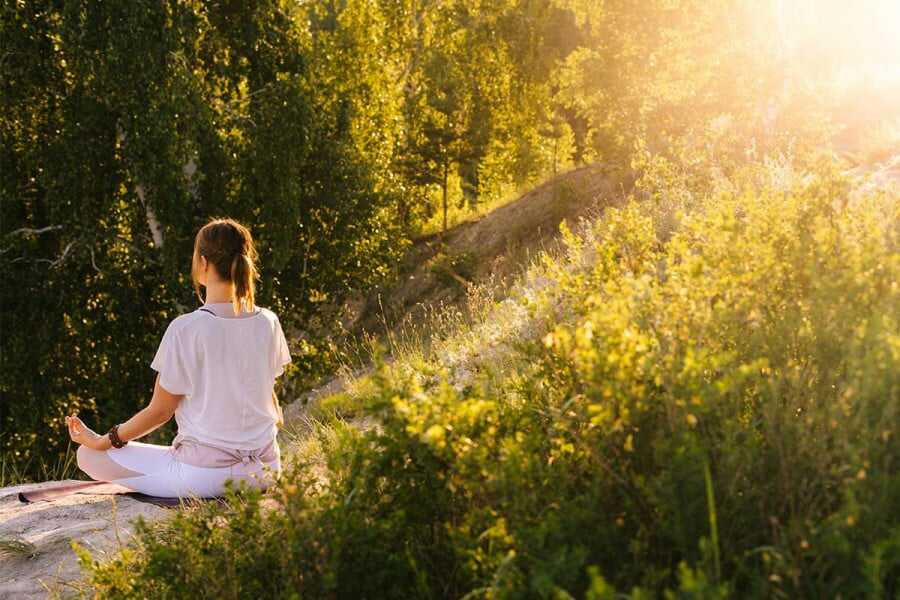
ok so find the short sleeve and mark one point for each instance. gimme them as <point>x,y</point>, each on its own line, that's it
<point>170,362</point>
<point>281,352</point>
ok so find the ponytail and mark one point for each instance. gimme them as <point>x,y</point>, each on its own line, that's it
<point>241,275</point>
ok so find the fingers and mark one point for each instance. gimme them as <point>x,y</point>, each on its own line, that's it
<point>76,427</point>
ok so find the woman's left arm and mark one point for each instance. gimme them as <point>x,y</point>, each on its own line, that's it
<point>161,408</point>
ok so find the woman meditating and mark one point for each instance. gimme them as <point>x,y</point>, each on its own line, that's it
<point>216,374</point>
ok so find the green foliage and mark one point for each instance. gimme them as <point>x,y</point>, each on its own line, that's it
<point>703,413</point>
<point>124,127</point>
<point>324,127</point>
<point>336,132</point>
<point>475,97</point>
<point>703,398</point>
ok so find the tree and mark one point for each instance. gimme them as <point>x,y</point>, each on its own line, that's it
<point>124,127</point>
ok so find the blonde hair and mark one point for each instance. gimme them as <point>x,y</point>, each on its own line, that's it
<point>229,248</point>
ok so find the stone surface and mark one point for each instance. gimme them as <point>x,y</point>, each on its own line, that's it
<point>46,563</point>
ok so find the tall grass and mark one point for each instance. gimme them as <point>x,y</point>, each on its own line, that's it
<point>14,471</point>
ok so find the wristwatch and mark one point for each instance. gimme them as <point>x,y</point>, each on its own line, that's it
<point>114,437</point>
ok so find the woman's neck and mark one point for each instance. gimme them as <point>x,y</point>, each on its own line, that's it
<point>226,309</point>
<point>218,292</point>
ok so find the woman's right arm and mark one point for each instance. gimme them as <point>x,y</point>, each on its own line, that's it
<point>161,408</point>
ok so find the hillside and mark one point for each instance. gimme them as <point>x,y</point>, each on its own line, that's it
<point>440,268</point>
<point>481,354</point>
<point>498,245</point>
<point>695,396</point>
<point>482,256</point>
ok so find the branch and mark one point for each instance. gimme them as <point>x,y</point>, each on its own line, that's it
<point>53,263</point>
<point>93,263</point>
<point>32,231</point>
<point>64,254</point>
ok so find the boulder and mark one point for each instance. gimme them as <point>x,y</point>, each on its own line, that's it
<point>36,556</point>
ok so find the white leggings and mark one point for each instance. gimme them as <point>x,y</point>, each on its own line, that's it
<point>153,470</point>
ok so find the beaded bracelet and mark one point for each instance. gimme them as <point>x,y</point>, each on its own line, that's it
<point>114,437</point>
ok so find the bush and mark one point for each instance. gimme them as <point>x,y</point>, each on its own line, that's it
<point>712,412</point>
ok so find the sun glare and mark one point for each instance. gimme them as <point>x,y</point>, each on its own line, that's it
<point>857,40</point>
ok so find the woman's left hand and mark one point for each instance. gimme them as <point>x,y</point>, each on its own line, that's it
<point>82,434</point>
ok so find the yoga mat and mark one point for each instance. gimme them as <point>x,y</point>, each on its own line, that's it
<point>65,488</point>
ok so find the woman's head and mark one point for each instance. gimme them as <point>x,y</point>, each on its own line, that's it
<point>224,252</point>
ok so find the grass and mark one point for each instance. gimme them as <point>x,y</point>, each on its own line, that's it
<point>17,548</point>
<point>16,472</point>
<point>451,336</point>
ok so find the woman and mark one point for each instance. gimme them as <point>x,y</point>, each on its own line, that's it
<point>216,374</point>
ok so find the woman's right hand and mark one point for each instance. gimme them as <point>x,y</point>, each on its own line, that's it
<point>82,434</point>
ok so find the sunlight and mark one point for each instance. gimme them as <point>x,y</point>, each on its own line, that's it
<point>854,41</point>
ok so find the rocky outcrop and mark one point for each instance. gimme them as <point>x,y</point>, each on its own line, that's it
<point>36,556</point>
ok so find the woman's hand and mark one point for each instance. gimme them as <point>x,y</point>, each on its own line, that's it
<point>82,434</point>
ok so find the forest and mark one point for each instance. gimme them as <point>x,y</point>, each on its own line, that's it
<point>696,395</point>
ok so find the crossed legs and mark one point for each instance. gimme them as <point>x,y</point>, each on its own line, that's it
<point>100,466</point>
<point>153,469</point>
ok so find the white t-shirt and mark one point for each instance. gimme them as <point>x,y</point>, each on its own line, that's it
<point>226,367</point>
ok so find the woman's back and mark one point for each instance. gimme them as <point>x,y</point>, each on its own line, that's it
<point>226,366</point>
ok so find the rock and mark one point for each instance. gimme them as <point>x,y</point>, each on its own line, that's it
<point>36,557</point>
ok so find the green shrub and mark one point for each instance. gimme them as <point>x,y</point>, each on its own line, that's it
<point>711,411</point>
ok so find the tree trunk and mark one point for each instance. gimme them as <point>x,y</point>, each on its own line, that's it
<point>446,165</point>
<point>152,221</point>
<point>555,145</point>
